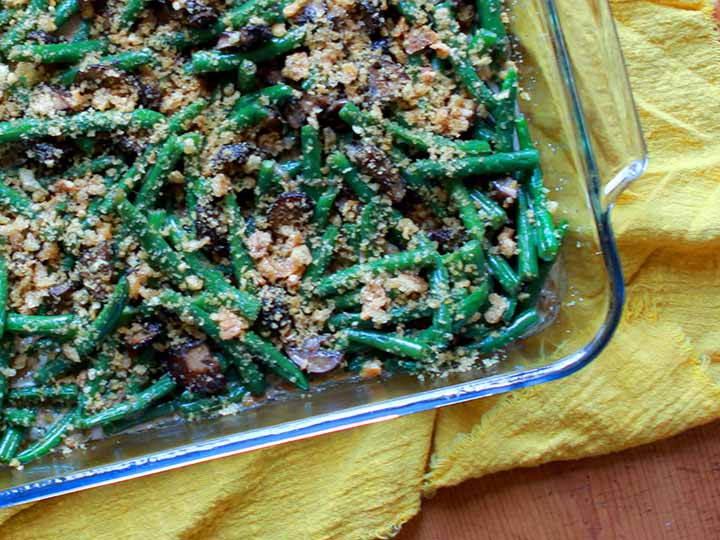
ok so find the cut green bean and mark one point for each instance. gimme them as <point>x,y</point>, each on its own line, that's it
<point>54,368</point>
<point>212,61</point>
<point>311,160</point>
<point>19,417</point>
<point>466,208</point>
<point>56,53</point>
<point>16,200</point>
<point>340,165</point>
<point>275,360</point>
<point>470,305</point>
<point>24,24</point>
<point>242,263</point>
<point>42,325</point>
<point>131,12</point>
<point>64,10</point>
<point>270,10</point>
<point>62,392</point>
<point>499,339</point>
<point>501,270</point>
<point>505,113</point>
<point>475,165</point>
<point>159,389</point>
<point>126,61</point>
<point>90,335</point>
<point>52,438</point>
<point>323,254</point>
<point>192,37</point>
<point>547,242</point>
<point>490,211</point>
<point>10,443</point>
<point>3,298</point>
<point>490,15</point>
<point>397,314</point>
<point>390,343</point>
<point>324,205</point>
<point>246,76</point>
<point>527,250</point>
<point>77,124</point>
<point>390,263</point>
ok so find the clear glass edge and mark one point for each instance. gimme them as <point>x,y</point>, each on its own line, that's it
<point>393,408</point>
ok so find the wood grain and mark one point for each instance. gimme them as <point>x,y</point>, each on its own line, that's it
<point>670,489</point>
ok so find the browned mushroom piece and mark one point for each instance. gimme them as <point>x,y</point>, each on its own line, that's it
<point>231,157</point>
<point>47,154</point>
<point>42,37</point>
<point>375,163</point>
<point>274,311</point>
<point>195,13</point>
<point>209,223</point>
<point>447,239</point>
<point>290,208</point>
<point>61,291</point>
<point>194,366</point>
<point>386,80</point>
<point>142,334</point>
<point>95,268</point>
<point>312,357</point>
<point>245,38</point>
<point>148,94</point>
<point>371,14</point>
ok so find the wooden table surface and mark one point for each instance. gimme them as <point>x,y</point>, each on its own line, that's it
<point>670,489</point>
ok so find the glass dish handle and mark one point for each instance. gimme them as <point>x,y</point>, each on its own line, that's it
<point>611,125</point>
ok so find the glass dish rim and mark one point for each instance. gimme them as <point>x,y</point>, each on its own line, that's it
<point>395,407</point>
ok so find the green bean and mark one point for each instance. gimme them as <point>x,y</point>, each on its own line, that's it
<point>470,253</point>
<point>192,37</point>
<point>505,113</point>
<point>10,443</point>
<point>311,160</point>
<point>3,297</point>
<point>348,300</point>
<point>246,76</point>
<point>74,125</point>
<point>210,61</point>
<point>466,208</point>
<point>547,242</point>
<point>184,307</point>
<point>512,304</point>
<point>471,304</point>
<point>181,120</point>
<point>100,372</point>
<point>16,200</point>
<point>496,340</point>
<point>242,263</point>
<point>490,15</point>
<point>324,205</point>
<point>52,369</point>
<point>270,95</point>
<point>477,331</point>
<point>490,211</point>
<point>523,133</point>
<point>475,165</point>
<point>390,343</point>
<point>397,314</point>
<point>440,333</point>
<point>43,325</point>
<point>417,139</point>
<point>62,392</point>
<point>322,255</point>
<point>449,31</point>
<point>483,132</point>
<point>214,281</point>
<point>19,417</point>
<point>368,229</point>
<point>527,254</point>
<point>481,41</point>
<point>419,184</point>
<point>275,360</point>
<point>88,167</point>
<point>500,268</point>
<point>126,61</point>
<point>159,389</point>
<point>389,263</point>
<point>167,158</point>
<point>90,335</point>
<point>131,12</point>
<point>64,10</point>
<point>50,440</point>
<point>340,165</point>
<point>152,413</point>
<point>269,177</point>
<point>56,53</point>
<point>23,25</point>
<point>270,10</point>
<point>250,115</point>
<point>534,288</point>
<point>5,352</point>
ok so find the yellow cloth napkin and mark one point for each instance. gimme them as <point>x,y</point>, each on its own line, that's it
<point>658,377</point>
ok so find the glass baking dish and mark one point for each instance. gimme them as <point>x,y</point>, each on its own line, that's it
<point>582,115</point>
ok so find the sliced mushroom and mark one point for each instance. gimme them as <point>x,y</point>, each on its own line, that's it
<point>61,291</point>
<point>199,14</point>
<point>274,312</point>
<point>447,239</point>
<point>312,357</point>
<point>47,154</point>
<point>95,268</point>
<point>42,37</point>
<point>290,208</point>
<point>505,191</point>
<point>142,334</point>
<point>195,367</point>
<point>149,95</point>
<point>246,38</point>
<point>231,157</point>
<point>374,162</point>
